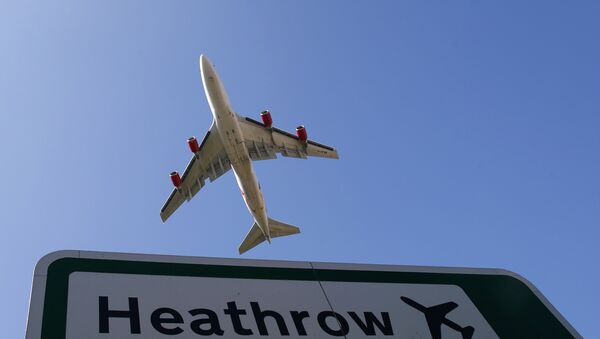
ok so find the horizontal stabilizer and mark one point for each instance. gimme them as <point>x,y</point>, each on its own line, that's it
<point>254,237</point>
<point>257,236</point>
<point>280,229</point>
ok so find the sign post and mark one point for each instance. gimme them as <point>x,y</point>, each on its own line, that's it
<point>78,294</point>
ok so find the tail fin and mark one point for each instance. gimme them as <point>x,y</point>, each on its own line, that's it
<point>256,235</point>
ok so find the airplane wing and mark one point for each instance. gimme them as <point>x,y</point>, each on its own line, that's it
<point>264,143</point>
<point>442,309</point>
<point>435,316</point>
<point>435,330</point>
<point>209,163</point>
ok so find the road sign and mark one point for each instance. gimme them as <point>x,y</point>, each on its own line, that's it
<point>78,294</point>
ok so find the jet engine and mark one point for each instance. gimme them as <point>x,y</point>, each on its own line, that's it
<point>301,133</point>
<point>193,144</point>
<point>266,118</point>
<point>175,179</point>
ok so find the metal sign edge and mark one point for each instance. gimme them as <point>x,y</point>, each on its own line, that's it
<point>35,312</point>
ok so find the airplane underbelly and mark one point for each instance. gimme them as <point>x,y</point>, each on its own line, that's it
<point>248,185</point>
<point>232,138</point>
<point>241,163</point>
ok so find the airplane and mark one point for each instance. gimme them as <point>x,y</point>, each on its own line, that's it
<point>233,142</point>
<point>436,316</point>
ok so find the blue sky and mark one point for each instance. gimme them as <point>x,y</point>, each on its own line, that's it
<point>468,134</point>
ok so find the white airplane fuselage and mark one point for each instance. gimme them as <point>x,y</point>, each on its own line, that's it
<point>226,121</point>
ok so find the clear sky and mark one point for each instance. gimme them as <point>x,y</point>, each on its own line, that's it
<point>469,134</point>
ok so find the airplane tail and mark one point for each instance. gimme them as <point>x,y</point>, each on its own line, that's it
<point>280,229</point>
<point>256,235</point>
<point>467,332</point>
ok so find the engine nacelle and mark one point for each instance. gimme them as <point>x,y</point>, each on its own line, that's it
<point>193,144</point>
<point>266,118</point>
<point>175,179</point>
<point>301,133</point>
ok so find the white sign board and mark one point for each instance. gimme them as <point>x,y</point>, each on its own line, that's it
<point>92,295</point>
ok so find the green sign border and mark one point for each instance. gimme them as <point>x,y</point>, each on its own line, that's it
<point>509,305</point>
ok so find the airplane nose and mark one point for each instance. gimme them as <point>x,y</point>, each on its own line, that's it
<point>204,64</point>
